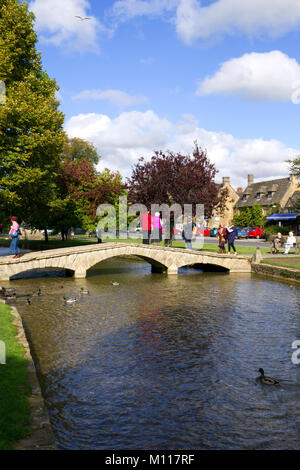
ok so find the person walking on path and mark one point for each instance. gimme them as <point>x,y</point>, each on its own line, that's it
<point>222,234</point>
<point>146,220</point>
<point>231,235</point>
<point>156,228</point>
<point>189,230</point>
<point>14,234</point>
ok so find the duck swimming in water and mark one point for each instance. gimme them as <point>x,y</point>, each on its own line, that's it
<point>115,283</point>
<point>69,301</point>
<point>84,291</point>
<point>265,380</point>
<point>38,293</point>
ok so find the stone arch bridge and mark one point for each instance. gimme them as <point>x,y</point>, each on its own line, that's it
<point>80,259</point>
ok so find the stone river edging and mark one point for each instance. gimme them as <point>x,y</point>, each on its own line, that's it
<point>276,271</point>
<point>41,436</point>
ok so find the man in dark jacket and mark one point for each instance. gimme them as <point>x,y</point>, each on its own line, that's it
<point>231,235</point>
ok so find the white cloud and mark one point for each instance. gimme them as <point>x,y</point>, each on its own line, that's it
<point>271,17</point>
<point>116,97</point>
<point>57,24</point>
<point>121,141</point>
<point>263,76</point>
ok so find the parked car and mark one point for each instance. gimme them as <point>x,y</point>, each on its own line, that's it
<point>242,232</point>
<point>213,232</point>
<point>204,231</point>
<point>256,232</point>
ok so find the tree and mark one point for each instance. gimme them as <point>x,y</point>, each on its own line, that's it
<point>79,149</point>
<point>295,165</point>
<point>82,190</point>
<point>175,178</point>
<point>31,125</point>
<point>249,216</point>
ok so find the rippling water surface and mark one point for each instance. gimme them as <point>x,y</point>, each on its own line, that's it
<point>166,362</point>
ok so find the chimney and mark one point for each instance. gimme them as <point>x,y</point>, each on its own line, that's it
<point>250,179</point>
<point>293,179</point>
<point>226,179</point>
<point>239,190</point>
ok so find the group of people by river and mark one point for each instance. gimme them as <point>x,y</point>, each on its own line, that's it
<point>227,235</point>
<point>152,230</point>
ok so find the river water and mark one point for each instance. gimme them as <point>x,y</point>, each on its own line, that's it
<point>165,362</point>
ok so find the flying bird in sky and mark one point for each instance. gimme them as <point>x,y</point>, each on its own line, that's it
<point>82,19</point>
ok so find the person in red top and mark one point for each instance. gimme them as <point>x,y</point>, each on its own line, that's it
<point>146,227</point>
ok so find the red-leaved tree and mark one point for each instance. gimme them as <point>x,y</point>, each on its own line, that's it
<point>170,178</point>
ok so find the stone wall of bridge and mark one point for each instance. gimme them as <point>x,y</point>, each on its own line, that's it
<point>80,259</point>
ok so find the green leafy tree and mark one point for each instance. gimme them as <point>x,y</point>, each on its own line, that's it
<point>249,216</point>
<point>31,125</point>
<point>257,219</point>
<point>80,149</point>
<point>83,189</point>
<point>294,165</point>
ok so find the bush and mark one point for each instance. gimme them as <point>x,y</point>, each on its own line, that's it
<point>272,230</point>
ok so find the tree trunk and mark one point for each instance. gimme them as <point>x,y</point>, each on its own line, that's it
<point>46,235</point>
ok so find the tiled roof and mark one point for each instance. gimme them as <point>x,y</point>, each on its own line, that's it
<point>271,192</point>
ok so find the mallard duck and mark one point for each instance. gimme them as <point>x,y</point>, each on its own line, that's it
<point>28,301</point>
<point>265,380</point>
<point>84,291</point>
<point>38,293</point>
<point>115,283</point>
<point>8,293</point>
<point>69,301</point>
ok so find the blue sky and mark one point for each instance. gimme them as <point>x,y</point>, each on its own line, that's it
<point>145,75</point>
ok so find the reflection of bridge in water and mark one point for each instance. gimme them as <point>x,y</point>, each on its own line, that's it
<point>80,259</point>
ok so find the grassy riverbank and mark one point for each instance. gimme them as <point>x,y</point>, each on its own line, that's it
<point>285,262</point>
<point>14,385</point>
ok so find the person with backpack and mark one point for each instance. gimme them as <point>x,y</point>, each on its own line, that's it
<point>14,233</point>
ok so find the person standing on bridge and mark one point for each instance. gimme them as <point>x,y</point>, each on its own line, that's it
<point>222,234</point>
<point>189,230</point>
<point>156,228</point>
<point>14,234</point>
<point>231,235</point>
<point>146,221</point>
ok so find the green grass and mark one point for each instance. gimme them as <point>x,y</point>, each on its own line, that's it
<point>283,264</point>
<point>14,385</point>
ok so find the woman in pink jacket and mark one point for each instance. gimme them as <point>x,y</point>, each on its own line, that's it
<point>14,234</point>
<point>156,228</point>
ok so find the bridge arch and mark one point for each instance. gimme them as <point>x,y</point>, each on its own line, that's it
<point>156,260</point>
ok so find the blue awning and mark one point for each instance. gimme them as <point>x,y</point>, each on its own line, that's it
<point>280,217</point>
